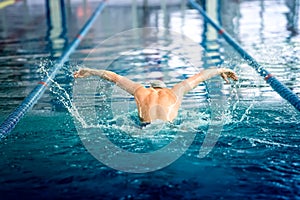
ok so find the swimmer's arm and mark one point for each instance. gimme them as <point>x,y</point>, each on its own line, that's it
<point>192,82</point>
<point>121,81</point>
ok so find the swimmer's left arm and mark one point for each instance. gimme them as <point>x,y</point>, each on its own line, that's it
<point>121,81</point>
<point>209,73</point>
<point>192,82</point>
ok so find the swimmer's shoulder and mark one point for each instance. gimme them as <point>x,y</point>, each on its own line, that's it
<point>142,91</point>
<point>147,91</point>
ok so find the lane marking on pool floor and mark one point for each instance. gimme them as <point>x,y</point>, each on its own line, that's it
<point>6,3</point>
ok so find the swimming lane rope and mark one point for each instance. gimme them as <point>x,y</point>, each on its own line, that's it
<point>11,121</point>
<point>281,89</point>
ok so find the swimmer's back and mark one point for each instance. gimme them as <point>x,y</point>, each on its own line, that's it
<point>156,103</point>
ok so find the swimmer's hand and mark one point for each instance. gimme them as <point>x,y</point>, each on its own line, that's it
<point>228,73</point>
<point>82,73</point>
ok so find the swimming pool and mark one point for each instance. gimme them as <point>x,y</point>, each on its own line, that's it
<point>256,154</point>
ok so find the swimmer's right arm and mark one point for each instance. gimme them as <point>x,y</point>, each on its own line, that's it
<point>121,81</point>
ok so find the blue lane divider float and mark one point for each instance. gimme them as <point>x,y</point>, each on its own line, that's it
<point>281,89</point>
<point>11,121</point>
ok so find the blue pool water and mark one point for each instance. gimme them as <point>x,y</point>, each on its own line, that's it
<point>256,155</point>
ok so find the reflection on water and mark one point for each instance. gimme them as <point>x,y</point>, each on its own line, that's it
<point>261,28</point>
<point>56,22</point>
<point>292,16</point>
<point>27,33</point>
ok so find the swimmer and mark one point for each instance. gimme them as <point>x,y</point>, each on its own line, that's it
<point>157,102</point>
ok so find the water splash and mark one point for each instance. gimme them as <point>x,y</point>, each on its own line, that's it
<point>63,96</point>
<point>238,111</point>
<point>246,113</point>
<point>192,118</point>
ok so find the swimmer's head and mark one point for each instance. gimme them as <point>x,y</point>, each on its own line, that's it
<point>157,84</point>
